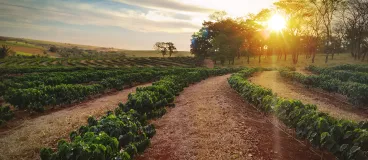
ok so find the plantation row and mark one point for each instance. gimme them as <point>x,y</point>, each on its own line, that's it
<point>5,114</point>
<point>76,77</point>
<point>342,75</point>
<point>345,139</point>
<point>35,91</point>
<point>55,78</point>
<point>7,71</point>
<point>356,92</point>
<point>124,133</point>
<point>352,67</point>
<point>117,62</point>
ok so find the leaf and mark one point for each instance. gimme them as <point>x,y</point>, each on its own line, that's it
<point>343,147</point>
<point>354,149</point>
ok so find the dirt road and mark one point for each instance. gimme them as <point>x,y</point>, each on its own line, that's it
<point>25,141</point>
<point>211,121</point>
<point>334,104</point>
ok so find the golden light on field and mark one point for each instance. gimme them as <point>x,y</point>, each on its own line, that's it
<point>276,22</point>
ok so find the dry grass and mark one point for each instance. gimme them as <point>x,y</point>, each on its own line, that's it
<point>272,61</point>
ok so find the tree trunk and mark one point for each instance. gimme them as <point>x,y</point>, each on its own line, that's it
<point>326,60</point>
<point>297,58</point>
<point>248,59</point>
<point>314,55</point>
<point>259,59</point>
<point>332,55</point>
<point>364,56</point>
<point>285,57</point>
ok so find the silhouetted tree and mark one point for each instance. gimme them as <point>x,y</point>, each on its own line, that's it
<point>171,47</point>
<point>53,49</point>
<point>164,47</point>
<point>4,51</point>
<point>161,47</point>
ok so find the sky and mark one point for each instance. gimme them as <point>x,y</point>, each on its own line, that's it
<point>124,24</point>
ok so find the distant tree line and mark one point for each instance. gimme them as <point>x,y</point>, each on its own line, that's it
<point>323,26</point>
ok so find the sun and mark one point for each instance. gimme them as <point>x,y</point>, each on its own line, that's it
<point>276,23</point>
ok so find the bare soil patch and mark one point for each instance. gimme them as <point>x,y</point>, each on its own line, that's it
<point>211,121</point>
<point>26,140</point>
<point>34,51</point>
<point>334,104</point>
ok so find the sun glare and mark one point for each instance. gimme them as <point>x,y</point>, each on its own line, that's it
<point>276,23</point>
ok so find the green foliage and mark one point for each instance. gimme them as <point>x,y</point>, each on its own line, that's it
<point>5,114</point>
<point>342,75</point>
<point>352,67</point>
<point>345,139</point>
<point>20,63</point>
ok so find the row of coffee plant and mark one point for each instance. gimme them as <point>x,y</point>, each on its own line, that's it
<point>34,95</point>
<point>124,133</point>
<point>356,92</point>
<point>352,67</point>
<point>99,62</point>
<point>343,75</point>
<point>345,139</point>
<point>42,69</point>
<point>56,78</point>
<point>5,114</point>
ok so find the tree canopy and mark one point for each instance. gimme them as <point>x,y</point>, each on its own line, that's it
<point>165,48</point>
<point>311,26</point>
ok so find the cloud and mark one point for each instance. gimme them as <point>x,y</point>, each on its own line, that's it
<point>90,14</point>
<point>168,5</point>
<point>134,24</point>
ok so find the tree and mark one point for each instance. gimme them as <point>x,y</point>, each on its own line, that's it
<point>354,20</point>
<point>218,16</point>
<point>326,10</point>
<point>171,47</point>
<point>161,47</point>
<point>53,49</point>
<point>204,40</point>
<point>4,51</point>
<point>223,48</point>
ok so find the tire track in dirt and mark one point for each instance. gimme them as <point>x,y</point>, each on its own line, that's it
<point>334,104</point>
<point>211,121</point>
<point>25,141</point>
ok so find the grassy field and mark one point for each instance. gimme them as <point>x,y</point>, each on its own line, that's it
<point>19,44</point>
<point>23,53</point>
<point>37,47</point>
<point>272,62</point>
